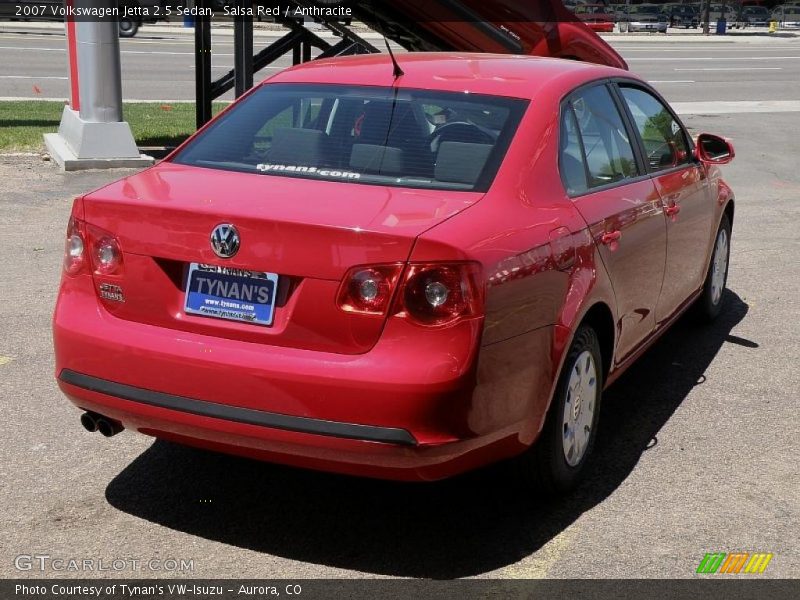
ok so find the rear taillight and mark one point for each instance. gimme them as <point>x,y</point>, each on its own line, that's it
<point>74,248</point>
<point>436,294</point>
<point>368,289</point>
<point>430,294</point>
<point>90,246</point>
<point>106,253</point>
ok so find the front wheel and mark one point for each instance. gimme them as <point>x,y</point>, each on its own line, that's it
<point>710,302</point>
<point>557,461</point>
<point>128,28</point>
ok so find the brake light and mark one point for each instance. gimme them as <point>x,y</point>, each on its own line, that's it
<point>86,243</point>
<point>435,294</point>
<point>106,253</point>
<point>430,294</point>
<point>74,247</point>
<point>368,289</point>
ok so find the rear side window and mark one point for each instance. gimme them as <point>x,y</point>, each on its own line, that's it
<point>593,125</point>
<point>370,135</point>
<point>664,140</point>
<point>571,161</point>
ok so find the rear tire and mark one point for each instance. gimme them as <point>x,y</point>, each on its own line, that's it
<point>710,303</point>
<point>556,463</point>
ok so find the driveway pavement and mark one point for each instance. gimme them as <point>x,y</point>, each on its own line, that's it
<point>697,449</point>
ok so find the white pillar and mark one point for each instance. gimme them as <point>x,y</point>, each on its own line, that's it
<point>92,134</point>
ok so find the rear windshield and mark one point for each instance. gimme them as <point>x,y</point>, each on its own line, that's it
<point>369,135</point>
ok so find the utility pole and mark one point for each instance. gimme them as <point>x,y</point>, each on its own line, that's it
<point>706,16</point>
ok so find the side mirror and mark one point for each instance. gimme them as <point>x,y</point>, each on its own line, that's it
<point>713,149</point>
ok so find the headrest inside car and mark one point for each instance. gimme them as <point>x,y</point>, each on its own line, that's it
<point>370,158</point>
<point>461,162</point>
<point>294,146</point>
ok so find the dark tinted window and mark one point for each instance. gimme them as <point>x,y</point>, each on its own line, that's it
<point>411,138</point>
<point>664,140</point>
<point>607,150</point>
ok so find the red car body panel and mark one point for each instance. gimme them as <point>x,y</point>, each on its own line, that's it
<point>464,395</point>
<point>688,235</point>
<point>642,225</point>
<point>600,25</point>
<point>595,17</point>
<point>165,208</point>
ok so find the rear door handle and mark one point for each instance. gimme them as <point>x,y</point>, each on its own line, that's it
<point>611,236</point>
<point>672,210</point>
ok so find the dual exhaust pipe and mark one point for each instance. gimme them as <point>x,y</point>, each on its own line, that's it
<point>93,422</point>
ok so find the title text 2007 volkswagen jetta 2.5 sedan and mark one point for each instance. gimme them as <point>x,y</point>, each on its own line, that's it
<point>400,277</point>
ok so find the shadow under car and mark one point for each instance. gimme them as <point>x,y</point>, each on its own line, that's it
<point>460,527</point>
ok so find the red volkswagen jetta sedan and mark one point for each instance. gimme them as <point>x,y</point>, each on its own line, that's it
<point>400,277</point>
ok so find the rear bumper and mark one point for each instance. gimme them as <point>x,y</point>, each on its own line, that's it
<point>355,431</point>
<point>347,448</point>
<point>403,410</point>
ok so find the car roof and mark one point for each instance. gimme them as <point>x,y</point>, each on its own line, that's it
<point>494,74</point>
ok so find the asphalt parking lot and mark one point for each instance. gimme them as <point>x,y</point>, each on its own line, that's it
<point>697,449</point>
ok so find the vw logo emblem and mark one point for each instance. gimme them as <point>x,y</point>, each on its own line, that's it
<point>225,240</point>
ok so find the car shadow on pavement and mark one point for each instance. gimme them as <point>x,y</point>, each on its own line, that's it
<point>460,527</point>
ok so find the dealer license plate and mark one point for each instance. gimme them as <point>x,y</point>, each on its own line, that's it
<point>233,294</point>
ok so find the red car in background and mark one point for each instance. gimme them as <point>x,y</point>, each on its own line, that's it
<point>400,276</point>
<point>596,17</point>
<point>538,28</point>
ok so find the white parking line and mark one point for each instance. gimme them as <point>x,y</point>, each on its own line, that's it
<point>706,58</point>
<point>713,48</point>
<point>155,52</point>
<point>125,101</point>
<point>169,53</point>
<point>733,69</point>
<point>33,49</point>
<point>736,106</point>
<point>28,36</point>
<point>37,77</point>
<point>123,41</point>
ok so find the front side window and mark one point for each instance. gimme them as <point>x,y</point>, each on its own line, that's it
<point>607,150</point>
<point>665,143</point>
<point>360,134</point>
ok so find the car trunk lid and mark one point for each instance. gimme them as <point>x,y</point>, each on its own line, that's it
<point>308,232</point>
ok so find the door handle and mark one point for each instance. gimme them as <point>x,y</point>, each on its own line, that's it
<point>611,236</point>
<point>672,210</point>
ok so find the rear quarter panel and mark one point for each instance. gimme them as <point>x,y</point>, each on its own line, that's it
<point>542,275</point>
